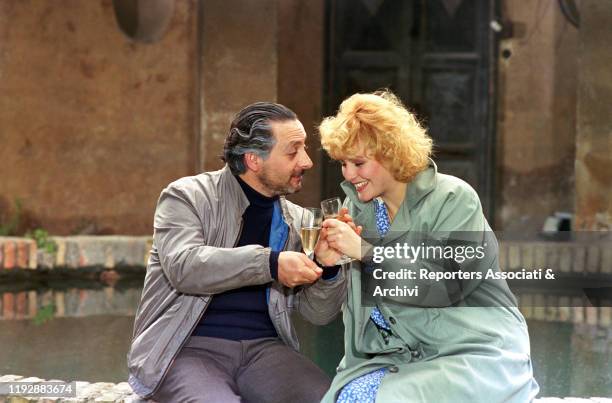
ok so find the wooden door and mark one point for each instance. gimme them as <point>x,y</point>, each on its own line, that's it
<point>438,57</point>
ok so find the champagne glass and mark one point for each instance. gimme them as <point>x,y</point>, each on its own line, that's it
<point>331,209</point>
<point>310,229</point>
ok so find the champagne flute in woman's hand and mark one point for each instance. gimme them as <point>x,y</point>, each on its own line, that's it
<point>331,209</point>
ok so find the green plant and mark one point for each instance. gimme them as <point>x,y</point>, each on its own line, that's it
<point>12,222</point>
<point>44,314</point>
<point>43,241</point>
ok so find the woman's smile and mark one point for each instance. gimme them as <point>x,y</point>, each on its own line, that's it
<point>360,186</point>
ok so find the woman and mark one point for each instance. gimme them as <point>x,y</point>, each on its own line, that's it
<point>466,344</point>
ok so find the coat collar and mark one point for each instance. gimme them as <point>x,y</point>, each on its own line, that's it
<point>422,184</point>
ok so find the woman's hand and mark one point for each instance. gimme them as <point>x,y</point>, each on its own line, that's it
<point>324,253</point>
<point>345,217</point>
<point>342,237</point>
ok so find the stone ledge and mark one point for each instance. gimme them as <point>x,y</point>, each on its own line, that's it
<point>75,252</point>
<point>122,393</point>
<point>113,251</point>
<point>85,392</point>
<point>567,257</point>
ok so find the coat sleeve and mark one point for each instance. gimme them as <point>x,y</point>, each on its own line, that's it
<point>190,265</point>
<point>320,302</point>
<point>460,211</point>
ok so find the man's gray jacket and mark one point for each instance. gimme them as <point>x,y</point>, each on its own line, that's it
<point>197,224</point>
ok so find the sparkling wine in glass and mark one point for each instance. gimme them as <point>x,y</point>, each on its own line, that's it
<point>310,228</point>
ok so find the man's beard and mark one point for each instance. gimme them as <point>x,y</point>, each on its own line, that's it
<point>277,186</point>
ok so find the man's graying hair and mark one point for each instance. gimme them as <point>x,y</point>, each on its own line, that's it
<point>251,132</point>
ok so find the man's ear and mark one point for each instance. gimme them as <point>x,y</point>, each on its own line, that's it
<point>252,161</point>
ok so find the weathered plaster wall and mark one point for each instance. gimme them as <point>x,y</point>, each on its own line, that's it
<point>300,79</point>
<point>92,125</point>
<point>240,66</point>
<point>594,137</point>
<point>269,51</point>
<point>536,116</point>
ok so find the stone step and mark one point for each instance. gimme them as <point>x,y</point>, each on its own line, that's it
<point>122,393</point>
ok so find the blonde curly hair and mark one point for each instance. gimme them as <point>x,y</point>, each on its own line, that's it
<point>382,124</point>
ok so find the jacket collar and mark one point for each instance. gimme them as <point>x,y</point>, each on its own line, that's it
<point>422,184</point>
<point>230,186</point>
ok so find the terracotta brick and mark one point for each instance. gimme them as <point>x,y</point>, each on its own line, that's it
<point>9,255</point>
<point>33,256</point>
<point>83,262</point>
<point>8,302</point>
<point>109,258</point>
<point>20,305</point>
<point>60,255</point>
<point>32,304</point>
<point>60,306</point>
<point>22,254</point>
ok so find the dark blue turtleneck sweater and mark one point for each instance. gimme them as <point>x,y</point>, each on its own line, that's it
<point>242,313</point>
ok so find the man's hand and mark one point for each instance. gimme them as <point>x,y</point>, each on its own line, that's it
<point>325,254</point>
<point>294,268</point>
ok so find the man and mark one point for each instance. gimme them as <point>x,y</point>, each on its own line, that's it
<point>226,271</point>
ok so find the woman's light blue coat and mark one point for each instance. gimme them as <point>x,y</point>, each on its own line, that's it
<point>472,350</point>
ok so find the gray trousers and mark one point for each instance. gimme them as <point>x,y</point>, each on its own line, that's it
<point>262,370</point>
